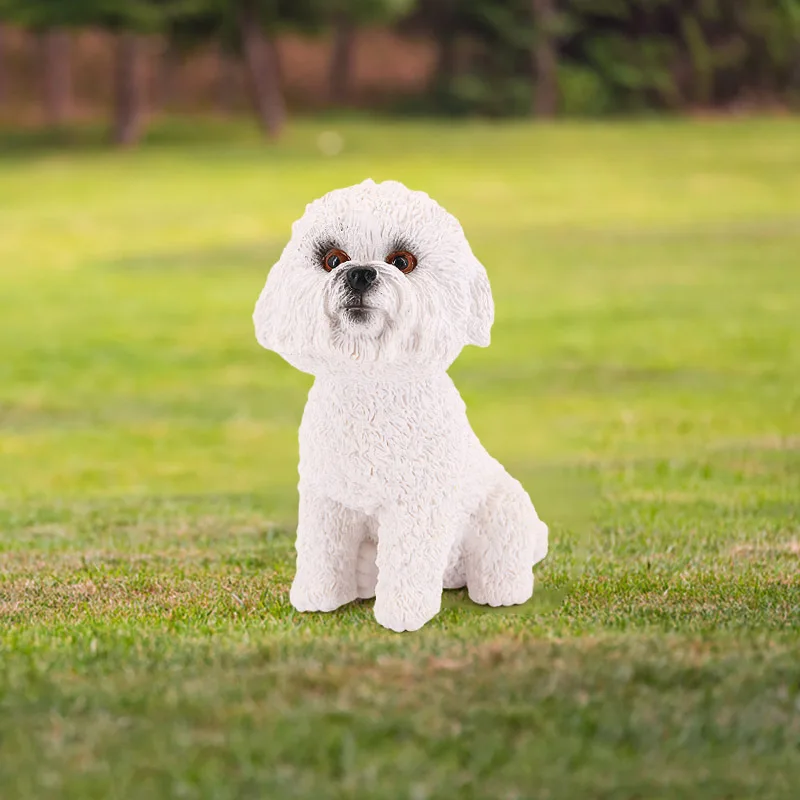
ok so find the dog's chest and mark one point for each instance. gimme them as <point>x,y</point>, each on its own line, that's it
<point>363,446</point>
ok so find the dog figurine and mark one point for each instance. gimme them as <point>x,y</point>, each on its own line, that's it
<point>375,295</point>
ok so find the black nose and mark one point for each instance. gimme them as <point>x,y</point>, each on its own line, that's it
<point>361,278</point>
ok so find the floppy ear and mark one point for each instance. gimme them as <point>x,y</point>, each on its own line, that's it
<point>481,311</point>
<point>267,316</point>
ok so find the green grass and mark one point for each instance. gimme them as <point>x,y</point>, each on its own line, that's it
<point>643,382</point>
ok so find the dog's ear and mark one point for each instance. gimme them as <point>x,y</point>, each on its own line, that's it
<point>481,312</point>
<point>267,316</point>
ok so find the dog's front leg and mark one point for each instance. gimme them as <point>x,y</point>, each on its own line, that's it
<point>328,537</point>
<point>413,547</point>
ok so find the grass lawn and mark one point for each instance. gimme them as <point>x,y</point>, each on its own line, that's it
<point>643,382</point>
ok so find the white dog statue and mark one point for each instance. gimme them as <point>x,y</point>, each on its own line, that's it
<point>375,295</point>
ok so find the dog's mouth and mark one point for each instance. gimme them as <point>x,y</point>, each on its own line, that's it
<point>357,313</point>
<point>355,308</point>
<point>359,317</point>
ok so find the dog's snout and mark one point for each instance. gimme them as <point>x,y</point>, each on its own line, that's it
<point>361,278</point>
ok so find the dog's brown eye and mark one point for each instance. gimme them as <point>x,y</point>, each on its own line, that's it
<point>333,258</point>
<point>403,260</point>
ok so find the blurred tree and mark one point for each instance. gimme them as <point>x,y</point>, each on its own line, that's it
<point>444,21</point>
<point>545,58</point>
<point>164,86</point>
<point>52,18</point>
<point>130,21</point>
<point>580,56</point>
<point>484,63</point>
<point>341,63</point>
<point>48,19</point>
<point>261,61</point>
<point>666,54</point>
<point>345,16</point>
<point>128,89</point>
<point>54,44</point>
<point>204,23</point>
<point>227,72</point>
<point>247,29</point>
<point>598,56</point>
<point>3,79</point>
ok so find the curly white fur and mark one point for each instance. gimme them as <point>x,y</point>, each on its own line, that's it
<point>398,498</point>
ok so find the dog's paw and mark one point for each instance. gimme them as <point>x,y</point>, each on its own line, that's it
<point>505,591</point>
<point>307,596</point>
<point>399,615</point>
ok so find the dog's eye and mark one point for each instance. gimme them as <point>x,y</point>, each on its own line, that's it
<point>403,260</point>
<point>333,258</point>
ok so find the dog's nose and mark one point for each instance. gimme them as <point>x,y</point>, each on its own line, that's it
<point>361,278</point>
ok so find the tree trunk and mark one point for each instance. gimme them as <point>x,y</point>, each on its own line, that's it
<point>166,73</point>
<point>261,61</point>
<point>445,35</point>
<point>3,87</point>
<point>226,82</point>
<point>128,90</point>
<point>545,59</point>
<point>56,78</point>
<point>445,60</point>
<point>341,58</point>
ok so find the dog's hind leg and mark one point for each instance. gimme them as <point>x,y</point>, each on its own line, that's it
<point>506,538</point>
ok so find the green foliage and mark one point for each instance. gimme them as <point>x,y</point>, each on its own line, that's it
<point>188,19</point>
<point>492,78</point>
<point>145,16</point>
<point>203,20</point>
<point>582,92</point>
<point>644,53</point>
<point>654,53</point>
<point>475,94</point>
<point>365,12</point>
<point>218,20</point>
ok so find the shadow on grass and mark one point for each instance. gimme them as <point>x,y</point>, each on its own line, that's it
<point>544,599</point>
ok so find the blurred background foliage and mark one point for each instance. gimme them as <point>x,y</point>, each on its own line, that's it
<point>492,58</point>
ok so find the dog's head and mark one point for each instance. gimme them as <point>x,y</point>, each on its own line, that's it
<point>379,275</point>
